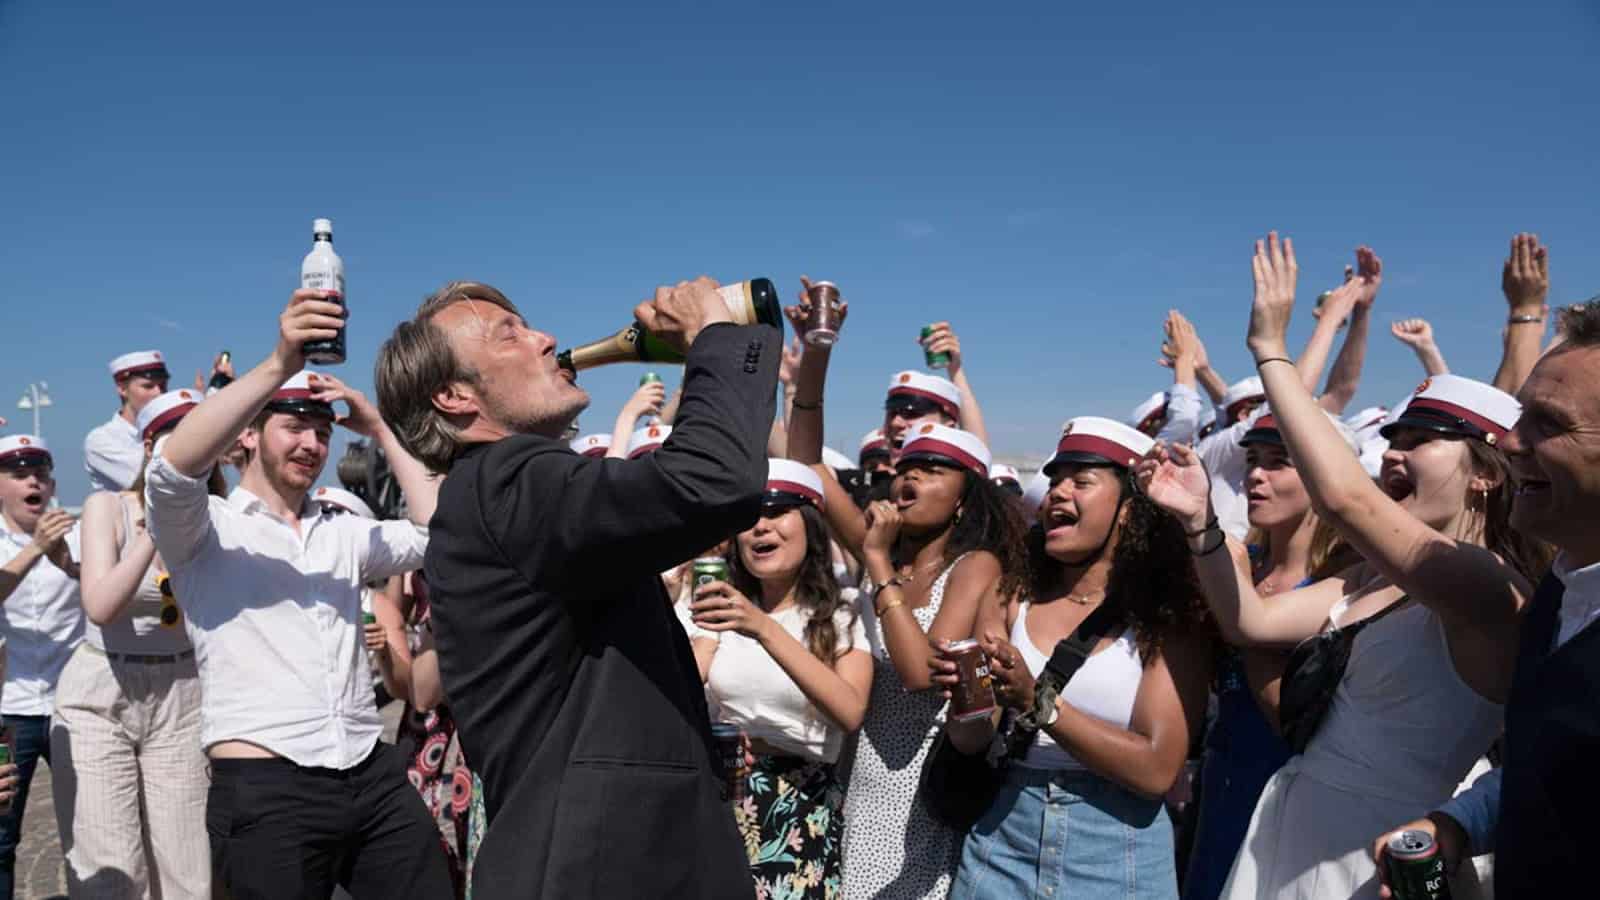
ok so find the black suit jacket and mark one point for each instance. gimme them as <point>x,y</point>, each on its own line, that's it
<point>1550,789</point>
<point>572,684</point>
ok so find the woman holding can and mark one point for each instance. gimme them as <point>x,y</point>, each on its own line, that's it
<point>1427,618</point>
<point>786,659</point>
<point>1081,809</point>
<point>127,720</point>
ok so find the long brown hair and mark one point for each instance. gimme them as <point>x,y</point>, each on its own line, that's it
<point>816,590</point>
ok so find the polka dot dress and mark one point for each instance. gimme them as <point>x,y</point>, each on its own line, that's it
<point>893,848</point>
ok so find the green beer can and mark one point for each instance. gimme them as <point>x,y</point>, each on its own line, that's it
<point>710,568</point>
<point>934,360</point>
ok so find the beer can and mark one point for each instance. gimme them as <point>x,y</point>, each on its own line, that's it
<point>973,697</point>
<point>1416,867</point>
<point>710,568</point>
<point>649,378</point>
<point>7,757</point>
<point>369,618</point>
<point>934,360</point>
<point>730,757</point>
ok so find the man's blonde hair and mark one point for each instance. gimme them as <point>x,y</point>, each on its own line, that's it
<point>417,362</point>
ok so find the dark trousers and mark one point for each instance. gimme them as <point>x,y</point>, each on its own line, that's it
<point>279,830</point>
<point>30,739</point>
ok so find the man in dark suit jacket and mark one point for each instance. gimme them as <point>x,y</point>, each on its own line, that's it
<point>572,684</point>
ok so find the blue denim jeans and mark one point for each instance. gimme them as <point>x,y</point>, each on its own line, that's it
<point>1068,834</point>
<point>30,736</point>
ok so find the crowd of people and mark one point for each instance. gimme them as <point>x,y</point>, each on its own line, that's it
<point>1232,641</point>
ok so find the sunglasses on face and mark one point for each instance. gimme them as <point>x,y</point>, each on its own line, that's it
<point>911,407</point>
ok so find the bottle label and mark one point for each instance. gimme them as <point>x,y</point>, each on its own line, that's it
<point>737,297</point>
<point>323,280</point>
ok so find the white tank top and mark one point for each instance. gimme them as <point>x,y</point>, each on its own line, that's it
<point>1104,687</point>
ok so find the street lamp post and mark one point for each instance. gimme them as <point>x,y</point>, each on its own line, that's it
<point>36,398</point>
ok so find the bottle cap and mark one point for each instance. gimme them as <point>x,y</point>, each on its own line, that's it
<point>322,226</point>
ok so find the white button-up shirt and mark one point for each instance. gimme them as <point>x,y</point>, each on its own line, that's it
<point>275,615</point>
<point>1227,463</point>
<point>42,622</point>
<point>112,454</point>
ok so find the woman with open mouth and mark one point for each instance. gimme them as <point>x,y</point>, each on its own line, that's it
<point>1081,812</point>
<point>785,657</point>
<point>1409,653</point>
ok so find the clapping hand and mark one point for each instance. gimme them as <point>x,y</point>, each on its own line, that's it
<point>1182,340</point>
<point>1275,272</point>
<point>50,537</point>
<point>1175,479</point>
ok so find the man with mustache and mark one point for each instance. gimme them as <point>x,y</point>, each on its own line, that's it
<point>41,619</point>
<point>303,794</point>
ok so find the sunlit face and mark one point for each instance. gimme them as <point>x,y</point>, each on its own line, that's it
<point>1428,473</point>
<point>1555,453</point>
<point>138,390</point>
<point>1273,488</point>
<point>25,494</point>
<point>1080,511</point>
<point>927,494</point>
<point>290,449</point>
<point>775,547</point>
<point>518,387</point>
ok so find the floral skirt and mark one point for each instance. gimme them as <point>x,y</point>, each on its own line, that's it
<point>792,822</point>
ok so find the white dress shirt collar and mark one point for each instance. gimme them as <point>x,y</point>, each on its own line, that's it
<point>1581,604</point>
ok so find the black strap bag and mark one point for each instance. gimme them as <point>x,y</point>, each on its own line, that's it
<point>958,788</point>
<point>1312,675</point>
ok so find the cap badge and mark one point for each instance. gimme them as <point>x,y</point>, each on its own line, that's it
<point>185,395</point>
<point>1426,383</point>
<point>157,355</point>
<point>24,441</point>
<point>655,432</point>
<point>905,377</point>
<point>926,429</point>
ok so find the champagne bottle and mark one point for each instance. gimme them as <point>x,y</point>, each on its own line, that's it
<point>220,380</point>
<point>322,270</point>
<point>749,302</point>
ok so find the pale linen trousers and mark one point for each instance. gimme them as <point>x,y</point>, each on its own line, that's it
<point>130,778</point>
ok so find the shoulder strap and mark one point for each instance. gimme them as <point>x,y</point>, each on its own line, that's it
<point>1355,627</point>
<point>1072,650</point>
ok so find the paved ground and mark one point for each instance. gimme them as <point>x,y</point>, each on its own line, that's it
<point>39,869</point>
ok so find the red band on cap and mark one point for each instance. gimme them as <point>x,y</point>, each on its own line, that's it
<point>166,418</point>
<point>645,449</point>
<point>292,394</point>
<point>944,402</point>
<point>1099,446</point>
<point>596,451</point>
<point>1487,426</point>
<point>938,447</point>
<point>799,490</point>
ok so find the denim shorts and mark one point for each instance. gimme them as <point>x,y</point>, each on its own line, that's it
<point>1068,834</point>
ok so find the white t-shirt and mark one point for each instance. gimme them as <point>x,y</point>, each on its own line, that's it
<point>752,690</point>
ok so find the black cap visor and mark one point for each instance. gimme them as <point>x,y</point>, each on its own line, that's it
<point>1262,436</point>
<point>1078,458</point>
<point>1431,420</point>
<point>303,408</point>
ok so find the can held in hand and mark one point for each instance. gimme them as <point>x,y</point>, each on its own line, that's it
<point>7,757</point>
<point>822,323</point>
<point>730,756</point>
<point>649,378</point>
<point>939,360</point>
<point>369,618</point>
<point>973,697</point>
<point>1416,867</point>
<point>710,568</point>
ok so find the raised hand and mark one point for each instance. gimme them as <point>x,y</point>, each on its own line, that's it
<point>1176,480</point>
<point>646,401</point>
<point>800,314</point>
<point>1525,279</point>
<point>1275,272</point>
<point>1414,333</point>
<point>1368,276</point>
<point>363,417</point>
<point>678,314</point>
<point>789,364</point>
<point>944,340</point>
<point>310,316</point>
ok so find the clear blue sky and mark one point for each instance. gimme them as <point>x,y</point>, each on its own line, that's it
<point>1051,178</point>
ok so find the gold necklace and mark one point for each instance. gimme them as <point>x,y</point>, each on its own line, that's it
<point>1083,599</point>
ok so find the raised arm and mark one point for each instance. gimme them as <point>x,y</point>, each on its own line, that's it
<point>1464,583</point>
<point>810,383</point>
<point>1418,335</point>
<point>108,582</point>
<point>646,401</point>
<point>1525,281</point>
<point>417,484</point>
<point>944,340</point>
<point>1345,377</point>
<point>1208,378</point>
<point>704,483</point>
<point>1182,353</point>
<point>210,428</point>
